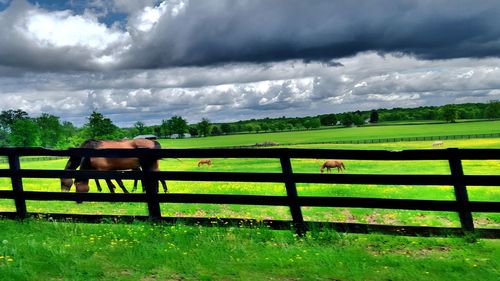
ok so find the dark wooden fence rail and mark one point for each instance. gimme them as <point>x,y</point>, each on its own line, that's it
<point>462,205</point>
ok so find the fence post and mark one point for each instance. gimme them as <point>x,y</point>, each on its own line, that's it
<point>17,186</point>
<point>460,190</point>
<point>291,191</point>
<point>151,186</point>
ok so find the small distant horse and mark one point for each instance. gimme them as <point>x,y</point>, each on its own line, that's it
<point>110,164</point>
<point>438,143</point>
<point>329,164</point>
<point>205,161</point>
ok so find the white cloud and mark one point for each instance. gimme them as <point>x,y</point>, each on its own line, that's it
<point>53,61</point>
<point>229,93</point>
<point>63,29</point>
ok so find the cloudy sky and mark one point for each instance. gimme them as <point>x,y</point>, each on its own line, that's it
<point>226,60</point>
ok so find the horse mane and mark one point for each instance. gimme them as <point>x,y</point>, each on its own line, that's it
<point>90,143</point>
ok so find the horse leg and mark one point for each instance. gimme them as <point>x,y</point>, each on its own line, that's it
<point>135,180</point>
<point>120,183</point>
<point>111,186</point>
<point>164,184</point>
<point>98,185</point>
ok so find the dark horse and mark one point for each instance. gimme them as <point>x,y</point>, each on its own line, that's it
<point>329,164</point>
<point>109,164</point>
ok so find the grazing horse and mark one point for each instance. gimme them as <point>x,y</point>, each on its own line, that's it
<point>109,164</point>
<point>437,143</point>
<point>205,161</point>
<point>329,164</point>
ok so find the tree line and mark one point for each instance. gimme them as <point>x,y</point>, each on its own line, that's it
<point>17,128</point>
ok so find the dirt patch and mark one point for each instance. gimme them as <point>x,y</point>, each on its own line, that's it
<point>349,217</point>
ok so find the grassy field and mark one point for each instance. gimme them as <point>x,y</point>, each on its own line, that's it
<point>393,217</point>
<point>339,134</point>
<point>38,250</point>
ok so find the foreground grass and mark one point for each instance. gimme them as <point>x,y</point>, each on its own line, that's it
<point>36,250</point>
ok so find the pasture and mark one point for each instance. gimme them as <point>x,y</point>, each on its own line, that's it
<point>57,250</point>
<point>339,134</point>
<point>356,215</point>
<point>40,250</point>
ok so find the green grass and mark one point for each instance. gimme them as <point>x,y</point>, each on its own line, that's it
<point>39,250</point>
<point>339,134</point>
<point>394,217</point>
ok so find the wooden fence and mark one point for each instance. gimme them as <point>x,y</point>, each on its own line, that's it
<point>462,205</point>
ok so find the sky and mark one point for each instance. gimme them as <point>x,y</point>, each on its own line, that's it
<point>226,60</point>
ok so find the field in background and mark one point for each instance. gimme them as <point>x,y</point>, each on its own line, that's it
<point>339,134</point>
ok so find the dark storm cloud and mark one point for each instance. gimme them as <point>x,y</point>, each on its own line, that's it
<point>208,32</point>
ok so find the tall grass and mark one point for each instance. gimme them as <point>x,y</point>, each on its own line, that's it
<point>37,250</point>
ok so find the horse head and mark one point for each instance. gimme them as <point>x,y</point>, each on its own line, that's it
<point>82,186</point>
<point>66,184</point>
<point>72,164</point>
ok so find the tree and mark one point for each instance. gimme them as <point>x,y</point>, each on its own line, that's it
<point>165,128</point>
<point>25,133</point>
<point>449,113</point>
<point>8,117</point>
<point>193,131</point>
<point>215,131</point>
<point>177,125</point>
<point>140,127</point>
<point>100,127</point>
<point>374,116</point>
<point>492,110</point>
<point>312,123</point>
<point>51,130</point>
<point>264,126</point>
<point>328,120</point>
<point>71,135</point>
<point>358,120</point>
<point>204,127</point>
<point>347,119</point>
<point>225,128</point>
<point>157,130</point>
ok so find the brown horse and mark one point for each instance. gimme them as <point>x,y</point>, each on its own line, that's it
<point>205,161</point>
<point>329,164</point>
<point>109,164</point>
